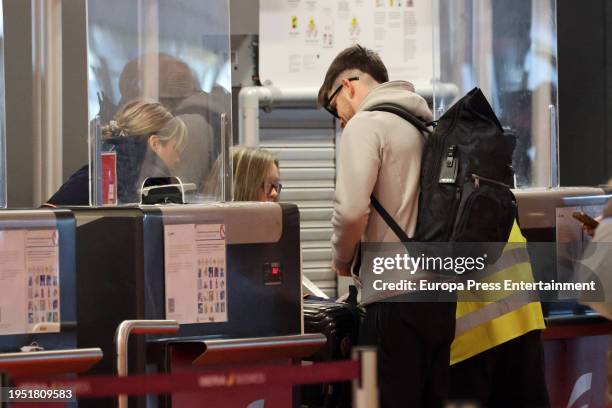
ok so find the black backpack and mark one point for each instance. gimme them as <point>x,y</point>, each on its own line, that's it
<point>466,176</point>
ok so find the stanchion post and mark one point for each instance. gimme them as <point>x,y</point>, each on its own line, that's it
<point>5,382</point>
<point>365,387</point>
<point>122,335</point>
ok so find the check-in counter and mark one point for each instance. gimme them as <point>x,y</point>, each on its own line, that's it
<point>575,347</point>
<point>222,271</point>
<point>576,339</point>
<point>38,295</point>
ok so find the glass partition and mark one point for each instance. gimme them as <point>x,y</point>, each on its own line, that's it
<point>509,50</point>
<point>159,97</point>
<point>2,116</point>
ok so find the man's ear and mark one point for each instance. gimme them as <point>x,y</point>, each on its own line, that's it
<point>351,87</point>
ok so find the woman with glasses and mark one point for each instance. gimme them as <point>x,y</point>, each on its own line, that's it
<point>256,176</point>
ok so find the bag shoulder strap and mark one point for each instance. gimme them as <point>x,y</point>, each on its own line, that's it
<point>421,126</point>
<point>402,113</point>
<point>399,232</point>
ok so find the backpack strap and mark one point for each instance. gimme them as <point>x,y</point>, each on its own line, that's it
<point>399,232</point>
<point>421,126</point>
<point>402,113</point>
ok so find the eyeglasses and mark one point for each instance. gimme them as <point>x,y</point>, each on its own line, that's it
<point>329,107</point>
<point>269,186</point>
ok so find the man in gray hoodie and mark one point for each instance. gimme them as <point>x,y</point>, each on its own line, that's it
<point>380,154</point>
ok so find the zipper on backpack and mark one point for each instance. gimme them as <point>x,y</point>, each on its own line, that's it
<point>452,215</point>
<point>478,178</point>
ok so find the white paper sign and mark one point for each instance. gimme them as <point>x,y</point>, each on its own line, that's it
<point>195,273</point>
<point>179,260</point>
<point>29,281</point>
<point>298,39</point>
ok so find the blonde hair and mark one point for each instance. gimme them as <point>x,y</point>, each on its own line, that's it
<point>142,118</point>
<point>250,167</point>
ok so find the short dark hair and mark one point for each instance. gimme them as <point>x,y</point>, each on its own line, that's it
<point>355,57</point>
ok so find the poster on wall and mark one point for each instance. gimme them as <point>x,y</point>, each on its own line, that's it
<point>29,281</point>
<point>195,273</point>
<point>298,39</point>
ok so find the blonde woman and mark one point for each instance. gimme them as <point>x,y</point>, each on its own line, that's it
<point>255,174</point>
<point>147,140</point>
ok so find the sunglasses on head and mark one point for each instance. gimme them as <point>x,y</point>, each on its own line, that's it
<point>329,107</point>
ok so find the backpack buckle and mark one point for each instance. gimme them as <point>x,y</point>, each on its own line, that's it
<point>450,167</point>
<point>450,156</point>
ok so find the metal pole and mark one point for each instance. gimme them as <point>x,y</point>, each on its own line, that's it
<point>365,388</point>
<point>554,147</point>
<point>50,356</point>
<point>248,115</point>
<point>148,48</point>
<point>95,162</point>
<point>47,97</point>
<point>5,382</point>
<point>122,335</point>
<point>252,98</point>
<point>226,163</point>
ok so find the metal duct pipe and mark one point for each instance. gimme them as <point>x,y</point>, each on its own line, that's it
<point>253,98</point>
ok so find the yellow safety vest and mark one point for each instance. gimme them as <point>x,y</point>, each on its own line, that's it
<point>481,326</point>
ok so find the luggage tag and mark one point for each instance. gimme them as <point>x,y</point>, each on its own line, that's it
<point>450,167</point>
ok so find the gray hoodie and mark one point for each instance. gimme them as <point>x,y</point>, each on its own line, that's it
<point>380,153</point>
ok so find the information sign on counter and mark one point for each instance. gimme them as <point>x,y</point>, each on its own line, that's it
<point>315,31</point>
<point>195,273</point>
<point>29,281</point>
